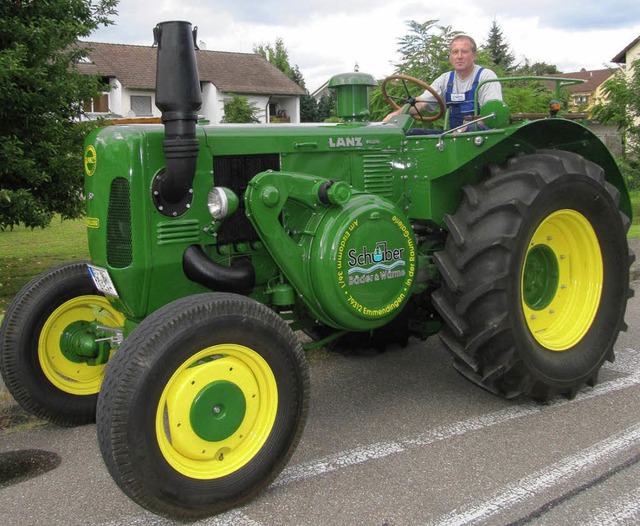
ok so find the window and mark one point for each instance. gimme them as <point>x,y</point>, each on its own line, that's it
<point>141,105</point>
<point>99,105</point>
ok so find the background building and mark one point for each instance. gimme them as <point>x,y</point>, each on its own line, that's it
<point>130,71</point>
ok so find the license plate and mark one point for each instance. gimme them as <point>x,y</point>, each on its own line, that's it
<point>102,280</point>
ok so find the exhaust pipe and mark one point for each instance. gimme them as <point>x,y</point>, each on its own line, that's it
<point>178,98</point>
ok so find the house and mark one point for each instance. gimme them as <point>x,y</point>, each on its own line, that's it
<point>628,55</point>
<point>586,94</point>
<point>130,71</point>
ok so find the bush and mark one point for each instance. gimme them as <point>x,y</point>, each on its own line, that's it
<point>630,168</point>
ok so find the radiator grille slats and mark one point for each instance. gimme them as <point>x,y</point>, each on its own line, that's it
<point>235,172</point>
<point>119,243</point>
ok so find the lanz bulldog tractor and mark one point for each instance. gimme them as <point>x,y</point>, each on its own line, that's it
<point>214,248</point>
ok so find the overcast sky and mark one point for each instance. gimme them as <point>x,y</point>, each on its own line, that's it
<point>325,37</point>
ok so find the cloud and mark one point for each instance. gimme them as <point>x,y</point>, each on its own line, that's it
<point>563,14</point>
<point>326,37</point>
<point>282,12</point>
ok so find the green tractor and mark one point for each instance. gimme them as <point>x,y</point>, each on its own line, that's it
<point>215,248</point>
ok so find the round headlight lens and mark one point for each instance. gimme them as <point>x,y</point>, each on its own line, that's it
<point>222,202</point>
<point>218,203</point>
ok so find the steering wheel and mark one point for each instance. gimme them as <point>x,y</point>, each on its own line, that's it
<point>410,99</point>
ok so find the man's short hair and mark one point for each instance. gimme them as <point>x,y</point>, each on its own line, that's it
<point>465,37</point>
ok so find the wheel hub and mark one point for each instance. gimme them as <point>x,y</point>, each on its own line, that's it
<point>79,343</point>
<point>218,411</point>
<point>541,275</point>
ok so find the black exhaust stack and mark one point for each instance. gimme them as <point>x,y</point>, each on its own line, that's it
<point>178,98</point>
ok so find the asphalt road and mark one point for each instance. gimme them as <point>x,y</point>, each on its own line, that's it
<point>397,438</point>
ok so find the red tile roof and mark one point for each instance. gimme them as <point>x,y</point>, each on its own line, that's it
<point>593,78</point>
<point>135,68</point>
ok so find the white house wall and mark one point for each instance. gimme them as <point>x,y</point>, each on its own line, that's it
<point>212,108</point>
<point>115,96</point>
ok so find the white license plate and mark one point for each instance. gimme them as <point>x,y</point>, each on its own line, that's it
<point>102,280</point>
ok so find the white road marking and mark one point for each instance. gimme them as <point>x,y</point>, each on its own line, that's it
<point>544,479</point>
<point>355,456</point>
<point>623,510</point>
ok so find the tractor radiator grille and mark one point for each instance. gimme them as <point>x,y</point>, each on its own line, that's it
<point>235,172</point>
<point>378,178</point>
<point>119,246</point>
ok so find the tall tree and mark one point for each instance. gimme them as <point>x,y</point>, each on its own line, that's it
<point>279,57</point>
<point>424,51</point>
<point>41,141</point>
<point>497,49</point>
<point>620,106</point>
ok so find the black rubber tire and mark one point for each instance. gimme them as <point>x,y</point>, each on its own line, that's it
<point>19,336</point>
<point>482,265</point>
<point>143,368</point>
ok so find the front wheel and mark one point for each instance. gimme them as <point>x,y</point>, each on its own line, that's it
<point>536,276</point>
<point>203,405</point>
<point>54,344</point>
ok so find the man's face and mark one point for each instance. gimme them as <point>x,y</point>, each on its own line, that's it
<point>462,57</point>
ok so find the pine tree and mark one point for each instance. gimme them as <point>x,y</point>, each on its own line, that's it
<point>498,49</point>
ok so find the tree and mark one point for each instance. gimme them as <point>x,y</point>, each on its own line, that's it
<point>424,54</point>
<point>328,107</point>
<point>308,105</point>
<point>424,50</point>
<point>497,49</point>
<point>240,110</point>
<point>41,141</point>
<point>620,106</point>
<point>277,55</point>
<point>537,68</point>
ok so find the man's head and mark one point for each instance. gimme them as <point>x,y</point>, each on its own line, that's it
<point>462,54</point>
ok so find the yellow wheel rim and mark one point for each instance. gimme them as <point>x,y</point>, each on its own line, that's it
<point>562,280</point>
<point>71,377</point>
<point>216,411</point>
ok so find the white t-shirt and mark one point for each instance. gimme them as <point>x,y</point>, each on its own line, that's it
<point>490,91</point>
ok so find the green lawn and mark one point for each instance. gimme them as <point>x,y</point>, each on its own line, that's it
<point>634,231</point>
<point>25,253</point>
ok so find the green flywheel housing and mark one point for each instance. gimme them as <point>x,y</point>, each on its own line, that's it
<point>364,263</point>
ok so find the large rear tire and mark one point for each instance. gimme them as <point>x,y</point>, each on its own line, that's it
<point>44,375</point>
<point>535,276</point>
<point>203,405</point>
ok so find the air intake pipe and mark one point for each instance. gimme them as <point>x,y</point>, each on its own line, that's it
<point>178,97</point>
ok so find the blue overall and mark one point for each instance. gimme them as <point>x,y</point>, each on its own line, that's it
<point>458,109</point>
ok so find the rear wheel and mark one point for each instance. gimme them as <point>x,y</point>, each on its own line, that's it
<point>49,357</point>
<point>536,273</point>
<point>203,405</point>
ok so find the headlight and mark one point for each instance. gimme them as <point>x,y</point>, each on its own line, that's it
<point>222,202</point>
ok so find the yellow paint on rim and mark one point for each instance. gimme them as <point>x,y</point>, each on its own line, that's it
<point>187,452</point>
<point>566,318</point>
<point>74,378</point>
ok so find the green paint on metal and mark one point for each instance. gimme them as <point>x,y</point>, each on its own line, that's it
<point>218,411</point>
<point>541,277</point>
<point>80,343</point>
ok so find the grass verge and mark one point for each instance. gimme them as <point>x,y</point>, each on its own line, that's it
<point>634,231</point>
<point>25,253</point>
